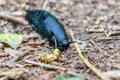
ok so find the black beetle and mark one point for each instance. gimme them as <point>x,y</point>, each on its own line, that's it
<point>48,27</point>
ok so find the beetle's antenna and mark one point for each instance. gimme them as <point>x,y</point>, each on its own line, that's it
<point>72,42</point>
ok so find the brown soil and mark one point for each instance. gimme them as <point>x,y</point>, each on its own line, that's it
<point>92,21</point>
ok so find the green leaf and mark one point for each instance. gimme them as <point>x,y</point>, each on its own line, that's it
<point>61,78</point>
<point>13,40</point>
<point>71,78</point>
<point>18,1</point>
<point>76,78</point>
<point>84,53</point>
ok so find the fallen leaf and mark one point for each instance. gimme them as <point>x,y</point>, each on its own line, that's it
<point>50,57</point>
<point>84,53</point>
<point>13,40</point>
<point>56,52</point>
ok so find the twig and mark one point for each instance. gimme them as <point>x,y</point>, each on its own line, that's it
<point>114,33</point>
<point>16,58</point>
<point>45,65</point>
<point>88,64</point>
<point>103,39</point>
<point>106,38</point>
<point>26,37</point>
<point>45,4</point>
<point>19,65</point>
<point>13,19</point>
<point>3,54</point>
<point>94,31</point>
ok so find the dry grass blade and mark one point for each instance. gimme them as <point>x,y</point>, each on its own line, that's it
<point>12,18</point>
<point>45,65</point>
<point>88,64</point>
<point>45,4</point>
<point>103,39</point>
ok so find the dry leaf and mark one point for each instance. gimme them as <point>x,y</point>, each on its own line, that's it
<point>50,57</point>
<point>32,42</point>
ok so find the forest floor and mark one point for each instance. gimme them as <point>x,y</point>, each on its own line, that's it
<point>96,26</point>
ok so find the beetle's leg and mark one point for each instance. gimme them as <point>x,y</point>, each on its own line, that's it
<point>64,50</point>
<point>55,41</point>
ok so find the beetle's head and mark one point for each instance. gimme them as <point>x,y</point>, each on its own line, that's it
<point>64,45</point>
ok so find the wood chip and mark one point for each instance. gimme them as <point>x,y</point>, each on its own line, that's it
<point>13,19</point>
<point>4,54</point>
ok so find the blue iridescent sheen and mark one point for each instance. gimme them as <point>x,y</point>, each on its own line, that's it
<point>47,26</point>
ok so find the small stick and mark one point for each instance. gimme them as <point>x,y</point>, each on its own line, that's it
<point>13,19</point>
<point>45,65</point>
<point>3,54</point>
<point>100,39</point>
<point>94,31</point>
<point>103,39</point>
<point>45,4</point>
<point>114,33</point>
<point>19,65</point>
<point>16,58</point>
<point>88,64</point>
<point>31,35</point>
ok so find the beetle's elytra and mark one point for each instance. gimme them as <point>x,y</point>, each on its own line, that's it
<point>48,27</point>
